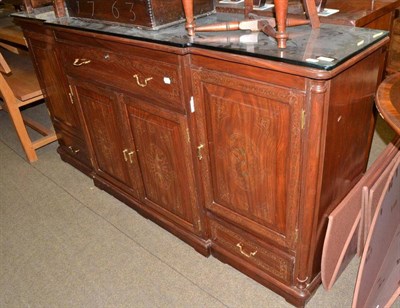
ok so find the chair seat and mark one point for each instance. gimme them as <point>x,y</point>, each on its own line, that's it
<point>22,81</point>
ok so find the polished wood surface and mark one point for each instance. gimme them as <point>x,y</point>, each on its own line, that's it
<point>100,115</point>
<point>135,145</point>
<point>229,94</point>
<point>388,101</point>
<point>62,109</point>
<point>362,13</point>
<point>116,149</point>
<point>237,156</point>
<point>234,187</point>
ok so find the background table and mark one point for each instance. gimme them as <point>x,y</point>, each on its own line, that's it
<point>388,101</point>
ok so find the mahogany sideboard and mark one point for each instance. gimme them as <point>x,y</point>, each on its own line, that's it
<point>237,147</point>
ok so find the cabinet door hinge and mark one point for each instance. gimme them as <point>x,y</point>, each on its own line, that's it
<point>192,109</point>
<point>303,118</point>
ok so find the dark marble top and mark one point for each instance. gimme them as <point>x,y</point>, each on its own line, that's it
<point>324,48</point>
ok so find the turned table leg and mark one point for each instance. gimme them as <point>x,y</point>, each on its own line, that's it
<point>188,9</point>
<point>59,8</point>
<point>248,7</point>
<point>312,12</point>
<point>281,8</point>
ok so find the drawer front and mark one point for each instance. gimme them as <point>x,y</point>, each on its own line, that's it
<point>266,258</point>
<point>158,81</point>
<point>74,147</point>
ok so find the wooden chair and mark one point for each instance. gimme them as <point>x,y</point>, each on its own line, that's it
<point>19,87</point>
<point>281,19</point>
<point>58,6</point>
<point>281,11</point>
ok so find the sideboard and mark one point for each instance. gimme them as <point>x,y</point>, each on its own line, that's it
<point>239,148</point>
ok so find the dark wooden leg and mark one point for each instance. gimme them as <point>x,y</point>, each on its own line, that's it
<point>188,9</point>
<point>28,6</point>
<point>59,8</point>
<point>312,13</point>
<point>281,8</point>
<point>248,7</point>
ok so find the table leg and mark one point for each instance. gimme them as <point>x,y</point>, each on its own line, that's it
<point>312,12</point>
<point>281,8</point>
<point>188,9</point>
<point>248,7</point>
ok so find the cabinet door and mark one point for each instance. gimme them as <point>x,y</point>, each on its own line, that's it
<point>114,159</point>
<point>53,82</point>
<point>249,133</point>
<point>163,147</point>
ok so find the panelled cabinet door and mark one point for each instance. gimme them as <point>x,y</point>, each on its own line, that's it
<point>114,157</point>
<point>163,149</point>
<point>62,109</point>
<point>249,135</point>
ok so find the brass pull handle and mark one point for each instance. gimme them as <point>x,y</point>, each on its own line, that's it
<point>125,152</point>
<point>136,76</point>
<point>75,151</point>
<point>248,255</point>
<point>79,62</point>
<point>199,154</point>
<point>71,98</point>
<point>130,154</point>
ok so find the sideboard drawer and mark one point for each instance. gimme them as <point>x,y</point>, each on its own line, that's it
<point>240,244</point>
<point>74,147</point>
<point>156,80</point>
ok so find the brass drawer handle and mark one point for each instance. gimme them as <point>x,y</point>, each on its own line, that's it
<point>79,62</point>
<point>248,255</point>
<point>130,154</point>
<point>140,84</point>
<point>125,152</point>
<point>74,151</point>
<point>199,151</point>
